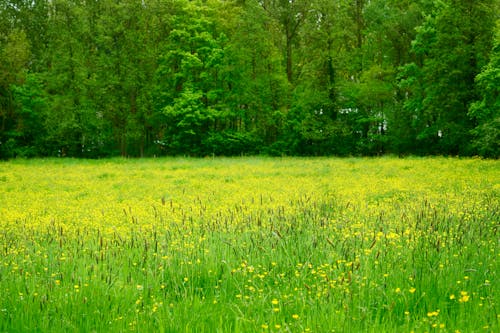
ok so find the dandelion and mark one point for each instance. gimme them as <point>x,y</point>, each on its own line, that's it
<point>412,290</point>
<point>295,316</point>
<point>264,326</point>
<point>274,301</point>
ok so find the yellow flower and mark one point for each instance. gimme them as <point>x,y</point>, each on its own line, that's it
<point>412,290</point>
<point>398,290</point>
<point>464,297</point>
<point>295,316</point>
<point>433,313</point>
<point>452,296</point>
<point>274,301</point>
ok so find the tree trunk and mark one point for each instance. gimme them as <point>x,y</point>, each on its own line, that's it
<point>289,70</point>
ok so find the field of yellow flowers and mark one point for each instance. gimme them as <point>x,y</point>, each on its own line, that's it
<point>250,245</point>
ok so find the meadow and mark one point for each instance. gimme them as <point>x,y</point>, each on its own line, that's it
<point>250,245</point>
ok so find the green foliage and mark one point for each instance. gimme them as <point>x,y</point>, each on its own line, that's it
<point>32,106</point>
<point>320,77</point>
<point>231,143</point>
<point>452,45</point>
<point>188,124</point>
<point>14,119</point>
<point>486,111</point>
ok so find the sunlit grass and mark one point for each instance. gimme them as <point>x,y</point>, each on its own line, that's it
<point>250,244</point>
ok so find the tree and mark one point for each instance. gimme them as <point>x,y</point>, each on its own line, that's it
<point>260,91</point>
<point>288,16</point>
<point>93,78</point>
<point>190,87</point>
<point>14,57</point>
<point>451,45</point>
<point>28,139</point>
<point>66,77</point>
<point>127,35</point>
<point>486,111</point>
<point>390,30</point>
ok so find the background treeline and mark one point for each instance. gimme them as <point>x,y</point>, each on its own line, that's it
<point>92,78</point>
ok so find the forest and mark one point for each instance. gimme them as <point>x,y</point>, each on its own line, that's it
<point>101,78</point>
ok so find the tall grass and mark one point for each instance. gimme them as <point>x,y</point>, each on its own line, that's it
<point>250,245</point>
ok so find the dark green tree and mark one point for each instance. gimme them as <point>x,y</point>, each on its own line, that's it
<point>287,18</point>
<point>486,111</point>
<point>452,45</point>
<point>14,58</point>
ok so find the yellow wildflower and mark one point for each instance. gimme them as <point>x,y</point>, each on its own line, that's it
<point>464,297</point>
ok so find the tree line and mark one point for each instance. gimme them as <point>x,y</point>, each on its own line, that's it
<point>97,78</point>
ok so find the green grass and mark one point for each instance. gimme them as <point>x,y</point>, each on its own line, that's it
<point>249,245</point>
